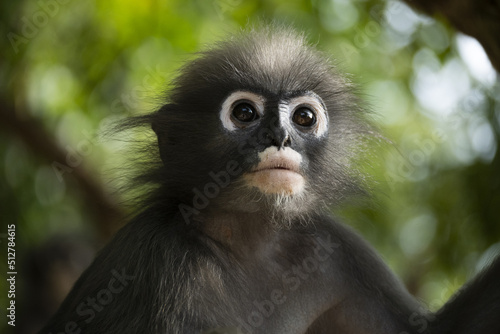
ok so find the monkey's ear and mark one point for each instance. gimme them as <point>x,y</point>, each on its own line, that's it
<point>159,123</point>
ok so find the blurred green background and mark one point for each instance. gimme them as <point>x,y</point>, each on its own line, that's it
<point>68,69</point>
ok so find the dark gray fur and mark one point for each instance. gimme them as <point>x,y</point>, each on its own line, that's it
<point>224,264</point>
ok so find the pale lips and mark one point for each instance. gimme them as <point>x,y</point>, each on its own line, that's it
<point>278,172</point>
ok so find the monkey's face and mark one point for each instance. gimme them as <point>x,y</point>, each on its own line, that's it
<point>273,133</point>
<point>252,151</point>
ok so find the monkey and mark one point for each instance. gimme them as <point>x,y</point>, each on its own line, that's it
<point>256,141</point>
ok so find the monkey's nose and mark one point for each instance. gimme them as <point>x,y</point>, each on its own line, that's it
<point>280,138</point>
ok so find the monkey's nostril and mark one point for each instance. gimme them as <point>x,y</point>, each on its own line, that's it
<point>287,141</point>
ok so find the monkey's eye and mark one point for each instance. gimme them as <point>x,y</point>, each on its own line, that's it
<point>304,117</point>
<point>245,113</point>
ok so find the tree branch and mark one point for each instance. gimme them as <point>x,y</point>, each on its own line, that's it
<point>477,18</point>
<point>41,143</point>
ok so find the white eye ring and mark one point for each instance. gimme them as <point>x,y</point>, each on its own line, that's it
<point>231,101</point>
<point>315,103</point>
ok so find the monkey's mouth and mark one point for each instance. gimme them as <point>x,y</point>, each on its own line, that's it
<point>278,172</point>
<point>278,167</point>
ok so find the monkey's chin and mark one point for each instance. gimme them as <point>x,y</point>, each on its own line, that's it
<point>276,181</point>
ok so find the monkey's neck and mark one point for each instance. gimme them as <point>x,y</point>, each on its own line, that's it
<point>241,233</point>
